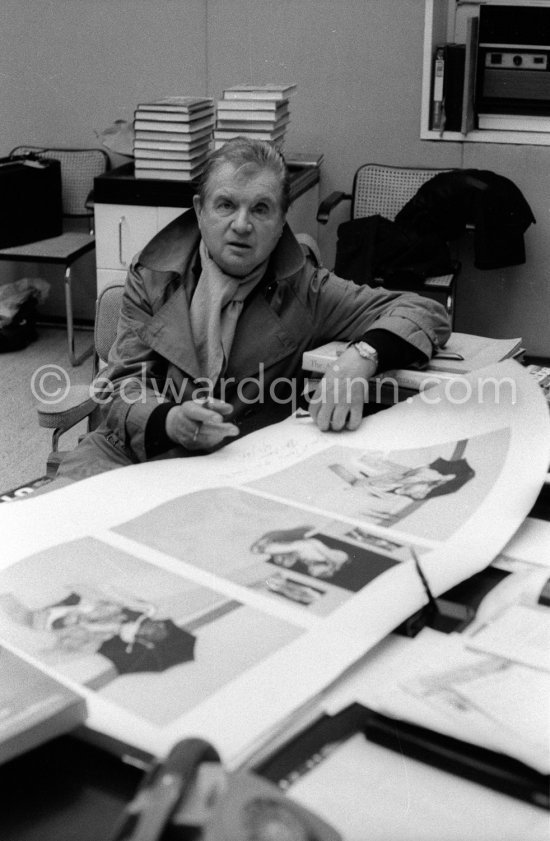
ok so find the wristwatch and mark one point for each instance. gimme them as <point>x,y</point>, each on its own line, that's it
<point>366,351</point>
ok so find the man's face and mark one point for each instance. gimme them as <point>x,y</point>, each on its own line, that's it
<point>241,219</point>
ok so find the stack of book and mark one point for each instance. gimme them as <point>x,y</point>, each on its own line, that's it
<point>258,111</point>
<point>298,160</point>
<point>173,137</point>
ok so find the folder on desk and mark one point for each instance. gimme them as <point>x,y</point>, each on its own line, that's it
<point>474,763</point>
<point>489,767</point>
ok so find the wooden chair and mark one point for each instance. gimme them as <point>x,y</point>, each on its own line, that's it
<point>383,190</point>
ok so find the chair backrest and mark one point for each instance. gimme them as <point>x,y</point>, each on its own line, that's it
<point>79,167</point>
<point>384,190</point>
<point>106,319</point>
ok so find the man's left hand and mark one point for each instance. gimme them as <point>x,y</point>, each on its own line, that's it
<point>338,400</point>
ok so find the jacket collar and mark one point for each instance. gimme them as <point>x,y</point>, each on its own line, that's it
<point>172,248</point>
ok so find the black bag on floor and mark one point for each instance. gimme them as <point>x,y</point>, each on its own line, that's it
<point>30,199</point>
<point>21,330</point>
<point>18,309</point>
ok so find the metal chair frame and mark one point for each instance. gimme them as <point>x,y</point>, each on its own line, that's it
<point>79,403</point>
<point>381,189</point>
<point>79,167</point>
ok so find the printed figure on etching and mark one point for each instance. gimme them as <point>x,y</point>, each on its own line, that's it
<point>426,491</point>
<point>291,589</point>
<point>321,557</point>
<point>154,643</point>
<point>128,633</point>
<point>391,489</point>
<point>300,548</point>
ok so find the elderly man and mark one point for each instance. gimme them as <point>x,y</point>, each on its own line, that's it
<point>217,311</point>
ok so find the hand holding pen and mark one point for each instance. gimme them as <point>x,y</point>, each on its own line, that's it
<point>199,424</point>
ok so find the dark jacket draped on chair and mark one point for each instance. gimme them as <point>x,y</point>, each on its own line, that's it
<point>376,251</point>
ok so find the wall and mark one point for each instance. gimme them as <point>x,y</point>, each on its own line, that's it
<point>70,67</point>
<point>514,301</point>
<point>358,67</point>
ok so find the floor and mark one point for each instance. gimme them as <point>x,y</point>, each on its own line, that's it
<point>24,446</point>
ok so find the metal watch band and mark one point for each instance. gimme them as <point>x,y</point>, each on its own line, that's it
<point>366,351</point>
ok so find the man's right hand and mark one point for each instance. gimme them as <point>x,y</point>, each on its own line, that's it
<point>199,424</point>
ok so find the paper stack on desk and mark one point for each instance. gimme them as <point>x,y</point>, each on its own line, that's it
<point>487,686</point>
<point>442,684</point>
<point>462,354</point>
<point>183,597</point>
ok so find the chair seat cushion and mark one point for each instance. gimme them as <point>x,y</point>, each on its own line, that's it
<point>61,249</point>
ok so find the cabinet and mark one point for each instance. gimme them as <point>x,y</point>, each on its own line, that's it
<point>121,230</point>
<point>445,21</point>
<point>129,212</point>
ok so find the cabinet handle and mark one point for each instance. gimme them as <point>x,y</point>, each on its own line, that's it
<point>120,255</point>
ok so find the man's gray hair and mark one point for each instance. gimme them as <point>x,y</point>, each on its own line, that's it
<point>244,151</point>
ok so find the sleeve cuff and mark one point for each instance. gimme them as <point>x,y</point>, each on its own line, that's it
<point>393,351</point>
<point>156,441</point>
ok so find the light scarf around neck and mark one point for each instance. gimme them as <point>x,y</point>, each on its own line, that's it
<point>215,308</point>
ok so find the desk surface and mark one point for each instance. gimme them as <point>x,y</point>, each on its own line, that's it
<point>66,789</point>
<point>389,797</point>
<point>69,789</point>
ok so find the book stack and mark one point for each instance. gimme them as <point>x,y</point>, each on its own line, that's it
<point>257,111</point>
<point>297,160</point>
<point>173,137</point>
